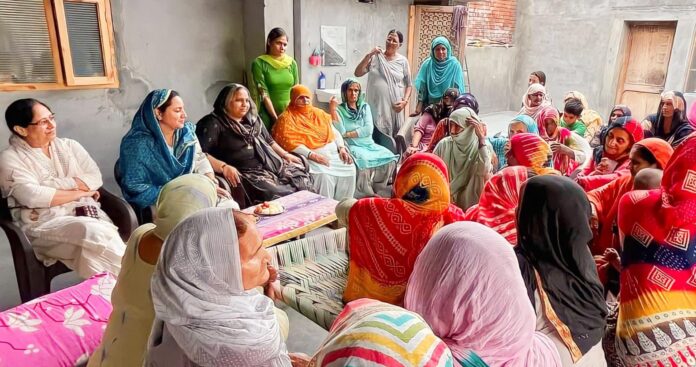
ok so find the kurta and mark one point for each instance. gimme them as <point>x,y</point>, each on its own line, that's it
<point>274,83</point>
<point>29,180</point>
<point>386,82</point>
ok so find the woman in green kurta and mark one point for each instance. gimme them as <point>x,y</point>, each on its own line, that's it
<point>375,163</point>
<point>274,73</point>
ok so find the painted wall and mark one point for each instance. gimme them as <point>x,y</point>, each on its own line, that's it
<point>491,72</point>
<point>194,47</point>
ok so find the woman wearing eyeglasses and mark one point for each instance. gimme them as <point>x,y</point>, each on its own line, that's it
<point>51,188</point>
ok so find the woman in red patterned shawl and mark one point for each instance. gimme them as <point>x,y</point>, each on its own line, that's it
<point>657,313</point>
<point>386,235</point>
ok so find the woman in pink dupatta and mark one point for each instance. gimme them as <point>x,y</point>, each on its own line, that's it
<point>570,150</point>
<point>476,301</point>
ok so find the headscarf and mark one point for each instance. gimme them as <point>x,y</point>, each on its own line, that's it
<point>461,154</point>
<point>369,333</point>
<point>527,109</point>
<point>436,76</point>
<point>631,126</point>
<point>306,125</point>
<point>596,140</point>
<point>623,108</point>
<point>681,127</point>
<point>528,122</point>
<point>466,284</point>
<point>386,235</point>
<point>577,95</point>
<point>145,162</point>
<point>541,75</point>
<point>553,231</point>
<point>442,128</point>
<point>532,151</point>
<point>658,298</point>
<point>548,112</point>
<point>561,162</point>
<point>198,293</point>
<point>438,110</point>
<point>361,106</point>
<point>180,198</point>
<point>466,100</point>
<point>498,202</point>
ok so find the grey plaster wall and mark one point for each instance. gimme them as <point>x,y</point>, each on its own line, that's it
<point>192,46</point>
<point>491,72</point>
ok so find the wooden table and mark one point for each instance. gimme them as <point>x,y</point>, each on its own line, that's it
<point>304,212</point>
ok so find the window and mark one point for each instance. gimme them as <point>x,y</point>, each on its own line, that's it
<point>691,71</point>
<point>56,44</point>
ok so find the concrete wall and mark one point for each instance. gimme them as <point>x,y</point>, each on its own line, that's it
<point>491,72</point>
<point>194,47</point>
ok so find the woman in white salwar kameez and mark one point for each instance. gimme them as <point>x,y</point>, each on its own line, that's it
<point>309,131</point>
<point>50,184</point>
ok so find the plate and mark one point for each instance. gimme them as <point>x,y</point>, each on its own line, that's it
<point>282,210</point>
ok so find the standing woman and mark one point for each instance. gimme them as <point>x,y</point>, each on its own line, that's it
<point>274,73</point>
<point>388,83</point>
<point>438,73</point>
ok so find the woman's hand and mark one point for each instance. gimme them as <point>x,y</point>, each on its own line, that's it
<point>222,193</point>
<point>399,106</point>
<point>344,155</point>
<point>232,175</point>
<point>319,158</point>
<point>81,185</point>
<point>375,51</point>
<point>557,147</point>
<point>415,113</point>
<point>479,128</point>
<point>291,158</point>
<point>93,194</point>
<point>333,104</point>
<point>272,289</point>
<point>410,151</point>
<point>299,359</point>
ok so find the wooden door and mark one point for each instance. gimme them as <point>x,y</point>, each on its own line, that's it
<point>644,71</point>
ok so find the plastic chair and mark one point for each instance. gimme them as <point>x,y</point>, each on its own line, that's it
<point>143,215</point>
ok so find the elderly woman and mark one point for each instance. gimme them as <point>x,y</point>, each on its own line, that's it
<point>274,73</point>
<point>385,236</point>
<point>466,155</point>
<point>570,150</point>
<point>309,132</point>
<point>476,299</point>
<point>51,184</point>
<point>530,151</point>
<point>159,147</point>
<point>534,101</point>
<point>553,232</point>
<point>208,311</point>
<point>670,123</point>
<point>438,73</point>
<point>371,328</point>
<point>389,83</point>
<point>240,148</point>
<point>616,145</point>
<point>424,130</point>
<point>656,323</point>
<point>376,164</point>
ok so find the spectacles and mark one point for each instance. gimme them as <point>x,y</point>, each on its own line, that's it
<point>539,94</point>
<point>44,121</point>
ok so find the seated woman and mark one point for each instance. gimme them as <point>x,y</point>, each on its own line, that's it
<point>368,332</point>
<point>657,322</point>
<point>438,73</point>
<point>432,115</point>
<point>240,148</point>
<point>530,151</point>
<point>616,145</point>
<point>616,112</point>
<point>442,128</point>
<point>589,118</point>
<point>476,300</point>
<point>570,150</point>
<point>466,155</point>
<point>159,147</point>
<point>51,184</point>
<point>553,231</point>
<point>376,164</point>
<point>499,200</point>
<point>125,337</point>
<point>534,101</point>
<point>208,312</point>
<point>386,235</point>
<point>309,132</point>
<point>670,123</point>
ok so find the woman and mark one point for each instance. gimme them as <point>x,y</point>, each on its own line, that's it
<point>274,73</point>
<point>442,128</point>
<point>670,122</point>
<point>475,300</point>
<point>51,185</point>
<point>389,83</point>
<point>371,333</point>
<point>534,101</point>
<point>616,145</point>
<point>240,148</point>
<point>656,324</point>
<point>466,155</point>
<point>159,147</point>
<point>208,312</point>
<point>530,151</point>
<point>432,115</point>
<point>616,112</point>
<point>553,232</point>
<point>590,118</point>
<point>386,235</point>
<point>438,72</point>
<point>309,132</point>
<point>570,150</point>
<point>498,203</point>
<point>125,337</point>
<point>375,163</point>
<point>537,77</point>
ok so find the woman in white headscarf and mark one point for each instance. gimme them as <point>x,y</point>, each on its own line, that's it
<point>208,312</point>
<point>534,101</point>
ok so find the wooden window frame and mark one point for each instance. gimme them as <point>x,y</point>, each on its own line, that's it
<point>62,58</point>
<point>689,62</point>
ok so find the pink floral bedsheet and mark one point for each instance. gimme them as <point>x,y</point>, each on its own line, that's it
<point>59,329</point>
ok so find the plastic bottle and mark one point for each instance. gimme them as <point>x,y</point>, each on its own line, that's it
<point>322,80</point>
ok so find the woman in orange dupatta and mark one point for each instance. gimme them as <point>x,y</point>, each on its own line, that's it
<point>308,131</point>
<point>386,235</point>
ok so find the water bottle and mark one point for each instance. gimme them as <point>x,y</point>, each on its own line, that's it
<point>322,80</point>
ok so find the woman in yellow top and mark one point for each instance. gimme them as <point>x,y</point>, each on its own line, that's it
<point>274,73</point>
